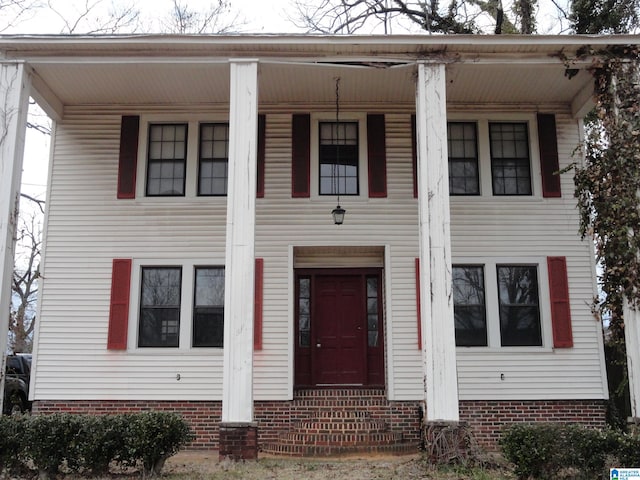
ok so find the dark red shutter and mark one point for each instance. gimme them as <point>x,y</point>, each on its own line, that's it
<point>414,155</point>
<point>262,124</point>
<point>418,308</point>
<point>129,128</point>
<point>300,155</point>
<point>119,308</point>
<point>548,142</point>
<point>258,294</point>
<point>377,156</point>
<point>560,311</point>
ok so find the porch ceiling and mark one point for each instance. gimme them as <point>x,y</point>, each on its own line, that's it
<point>155,70</point>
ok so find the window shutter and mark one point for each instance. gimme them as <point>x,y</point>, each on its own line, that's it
<point>418,308</point>
<point>548,142</point>
<point>377,153</point>
<point>119,308</point>
<point>559,294</point>
<point>258,294</point>
<point>127,163</point>
<point>301,155</point>
<point>262,124</point>
<point>414,155</point>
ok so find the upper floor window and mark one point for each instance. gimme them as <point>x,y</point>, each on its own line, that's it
<point>167,158</point>
<point>464,177</point>
<point>510,162</point>
<point>213,161</point>
<point>338,158</point>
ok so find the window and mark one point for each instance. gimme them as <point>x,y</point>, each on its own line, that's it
<point>167,153</point>
<point>304,311</point>
<point>213,162</point>
<point>208,307</point>
<point>373,312</point>
<point>464,178</point>
<point>518,305</point>
<point>469,305</point>
<point>338,158</point>
<point>510,163</point>
<point>160,307</point>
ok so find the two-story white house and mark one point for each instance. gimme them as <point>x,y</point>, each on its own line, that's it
<point>192,262</point>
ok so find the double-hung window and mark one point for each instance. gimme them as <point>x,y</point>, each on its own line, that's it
<point>167,320</point>
<point>503,298</point>
<point>160,307</point>
<point>213,161</point>
<point>464,177</point>
<point>167,159</point>
<point>510,160</point>
<point>208,307</point>
<point>338,158</point>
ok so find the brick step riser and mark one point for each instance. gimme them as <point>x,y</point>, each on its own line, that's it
<point>358,439</point>
<point>363,427</point>
<point>328,393</point>
<point>340,403</point>
<point>311,450</point>
<point>339,415</point>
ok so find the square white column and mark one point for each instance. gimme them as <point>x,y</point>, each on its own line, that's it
<point>632,342</point>
<point>237,395</point>
<point>438,332</point>
<point>15,85</point>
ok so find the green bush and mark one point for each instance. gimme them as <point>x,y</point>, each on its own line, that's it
<point>11,442</point>
<point>85,443</point>
<point>152,437</point>
<point>554,450</point>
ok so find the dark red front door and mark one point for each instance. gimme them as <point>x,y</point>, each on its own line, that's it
<point>339,335</point>
<point>339,353</point>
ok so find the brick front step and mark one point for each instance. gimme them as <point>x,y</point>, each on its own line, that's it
<point>338,422</point>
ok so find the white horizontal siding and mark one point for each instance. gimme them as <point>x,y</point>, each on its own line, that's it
<point>88,227</point>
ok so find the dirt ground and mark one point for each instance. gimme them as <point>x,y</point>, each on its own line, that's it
<point>205,466</point>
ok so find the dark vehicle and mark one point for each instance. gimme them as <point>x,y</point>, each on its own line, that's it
<point>16,384</point>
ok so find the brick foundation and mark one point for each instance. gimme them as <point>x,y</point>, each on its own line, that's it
<point>486,418</point>
<point>238,441</point>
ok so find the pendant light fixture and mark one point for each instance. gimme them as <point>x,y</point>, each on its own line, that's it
<point>338,212</point>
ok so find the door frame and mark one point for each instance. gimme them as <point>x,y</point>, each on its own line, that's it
<point>374,355</point>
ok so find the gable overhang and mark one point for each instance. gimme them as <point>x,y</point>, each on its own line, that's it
<point>149,70</point>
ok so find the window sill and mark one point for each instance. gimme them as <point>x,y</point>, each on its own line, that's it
<point>462,351</point>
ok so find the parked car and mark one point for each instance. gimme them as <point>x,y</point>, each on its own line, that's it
<point>16,386</point>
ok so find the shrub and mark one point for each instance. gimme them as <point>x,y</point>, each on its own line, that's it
<point>152,437</point>
<point>101,442</point>
<point>12,440</point>
<point>546,451</point>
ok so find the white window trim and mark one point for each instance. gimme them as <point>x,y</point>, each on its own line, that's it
<point>186,302</point>
<point>363,164</point>
<point>482,121</point>
<point>492,305</point>
<point>193,147</point>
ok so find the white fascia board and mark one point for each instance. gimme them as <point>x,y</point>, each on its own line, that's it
<point>44,96</point>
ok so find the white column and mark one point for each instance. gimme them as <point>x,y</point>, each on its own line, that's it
<point>632,341</point>
<point>438,342</point>
<point>237,395</point>
<point>15,84</point>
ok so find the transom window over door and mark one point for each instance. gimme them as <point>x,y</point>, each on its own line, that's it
<point>338,158</point>
<point>160,307</point>
<point>213,162</point>
<point>510,162</point>
<point>167,154</point>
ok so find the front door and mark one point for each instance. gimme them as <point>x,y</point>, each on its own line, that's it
<point>339,328</point>
<point>339,353</point>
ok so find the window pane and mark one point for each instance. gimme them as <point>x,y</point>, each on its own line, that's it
<point>213,159</point>
<point>338,158</point>
<point>463,159</point>
<point>519,309</point>
<point>469,305</point>
<point>304,312</point>
<point>373,311</point>
<point>208,311</point>
<point>160,307</point>
<point>510,163</point>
